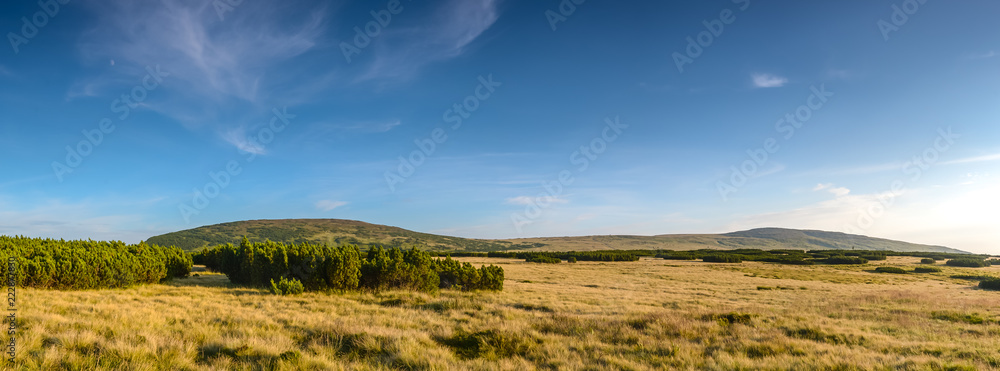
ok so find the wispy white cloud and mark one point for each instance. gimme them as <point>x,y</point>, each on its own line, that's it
<point>836,191</point>
<point>222,74</point>
<point>838,74</point>
<point>327,205</point>
<point>766,80</point>
<point>364,126</point>
<point>527,200</point>
<point>401,52</point>
<point>984,158</point>
<point>892,166</point>
<point>774,169</point>
<point>238,138</point>
<point>840,191</point>
<point>982,55</point>
<point>186,37</point>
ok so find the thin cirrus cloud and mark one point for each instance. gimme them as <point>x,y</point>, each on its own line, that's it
<point>401,51</point>
<point>766,80</point>
<point>365,126</point>
<point>984,55</point>
<point>215,57</point>
<point>222,74</point>
<point>226,73</point>
<point>238,137</point>
<point>526,200</point>
<point>837,191</point>
<point>329,205</point>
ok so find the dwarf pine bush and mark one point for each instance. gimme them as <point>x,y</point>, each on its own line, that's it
<point>722,258</point>
<point>343,268</point>
<point>845,260</point>
<point>69,265</point>
<point>990,284</point>
<point>287,287</point>
<point>967,262</point>
<point>895,270</point>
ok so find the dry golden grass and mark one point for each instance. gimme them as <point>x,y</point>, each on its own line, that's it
<point>651,314</point>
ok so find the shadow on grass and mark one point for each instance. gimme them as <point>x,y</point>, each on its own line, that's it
<point>202,280</point>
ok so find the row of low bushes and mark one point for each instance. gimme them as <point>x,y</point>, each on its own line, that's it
<point>345,268</point>
<point>800,257</point>
<point>895,270</point>
<point>968,262</point>
<point>543,259</point>
<point>792,257</point>
<point>603,255</point>
<point>845,260</point>
<point>60,264</point>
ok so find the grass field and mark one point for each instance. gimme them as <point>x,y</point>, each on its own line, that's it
<point>651,314</point>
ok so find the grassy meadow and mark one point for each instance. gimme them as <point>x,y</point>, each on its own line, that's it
<point>645,315</point>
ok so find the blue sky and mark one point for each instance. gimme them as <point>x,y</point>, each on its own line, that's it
<point>871,117</point>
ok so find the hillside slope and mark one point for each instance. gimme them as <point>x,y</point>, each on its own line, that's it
<point>328,231</point>
<point>338,231</point>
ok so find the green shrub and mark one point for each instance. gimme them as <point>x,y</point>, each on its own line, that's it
<point>895,270</point>
<point>972,277</point>
<point>323,268</point>
<point>489,344</point>
<point>730,318</point>
<point>81,265</point>
<point>789,260</point>
<point>722,258</point>
<point>543,259</point>
<point>994,261</point>
<point>845,260</point>
<point>287,287</point>
<point>970,318</point>
<point>676,255</point>
<point>990,284</point>
<point>927,261</point>
<point>463,276</point>
<point>926,270</point>
<point>968,262</point>
<point>571,259</point>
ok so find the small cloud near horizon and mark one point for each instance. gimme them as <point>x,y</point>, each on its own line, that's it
<point>984,55</point>
<point>526,200</point>
<point>766,80</point>
<point>329,205</point>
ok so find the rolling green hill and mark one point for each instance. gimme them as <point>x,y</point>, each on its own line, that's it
<point>338,231</point>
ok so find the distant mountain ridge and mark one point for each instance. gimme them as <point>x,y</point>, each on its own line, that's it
<point>340,231</point>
